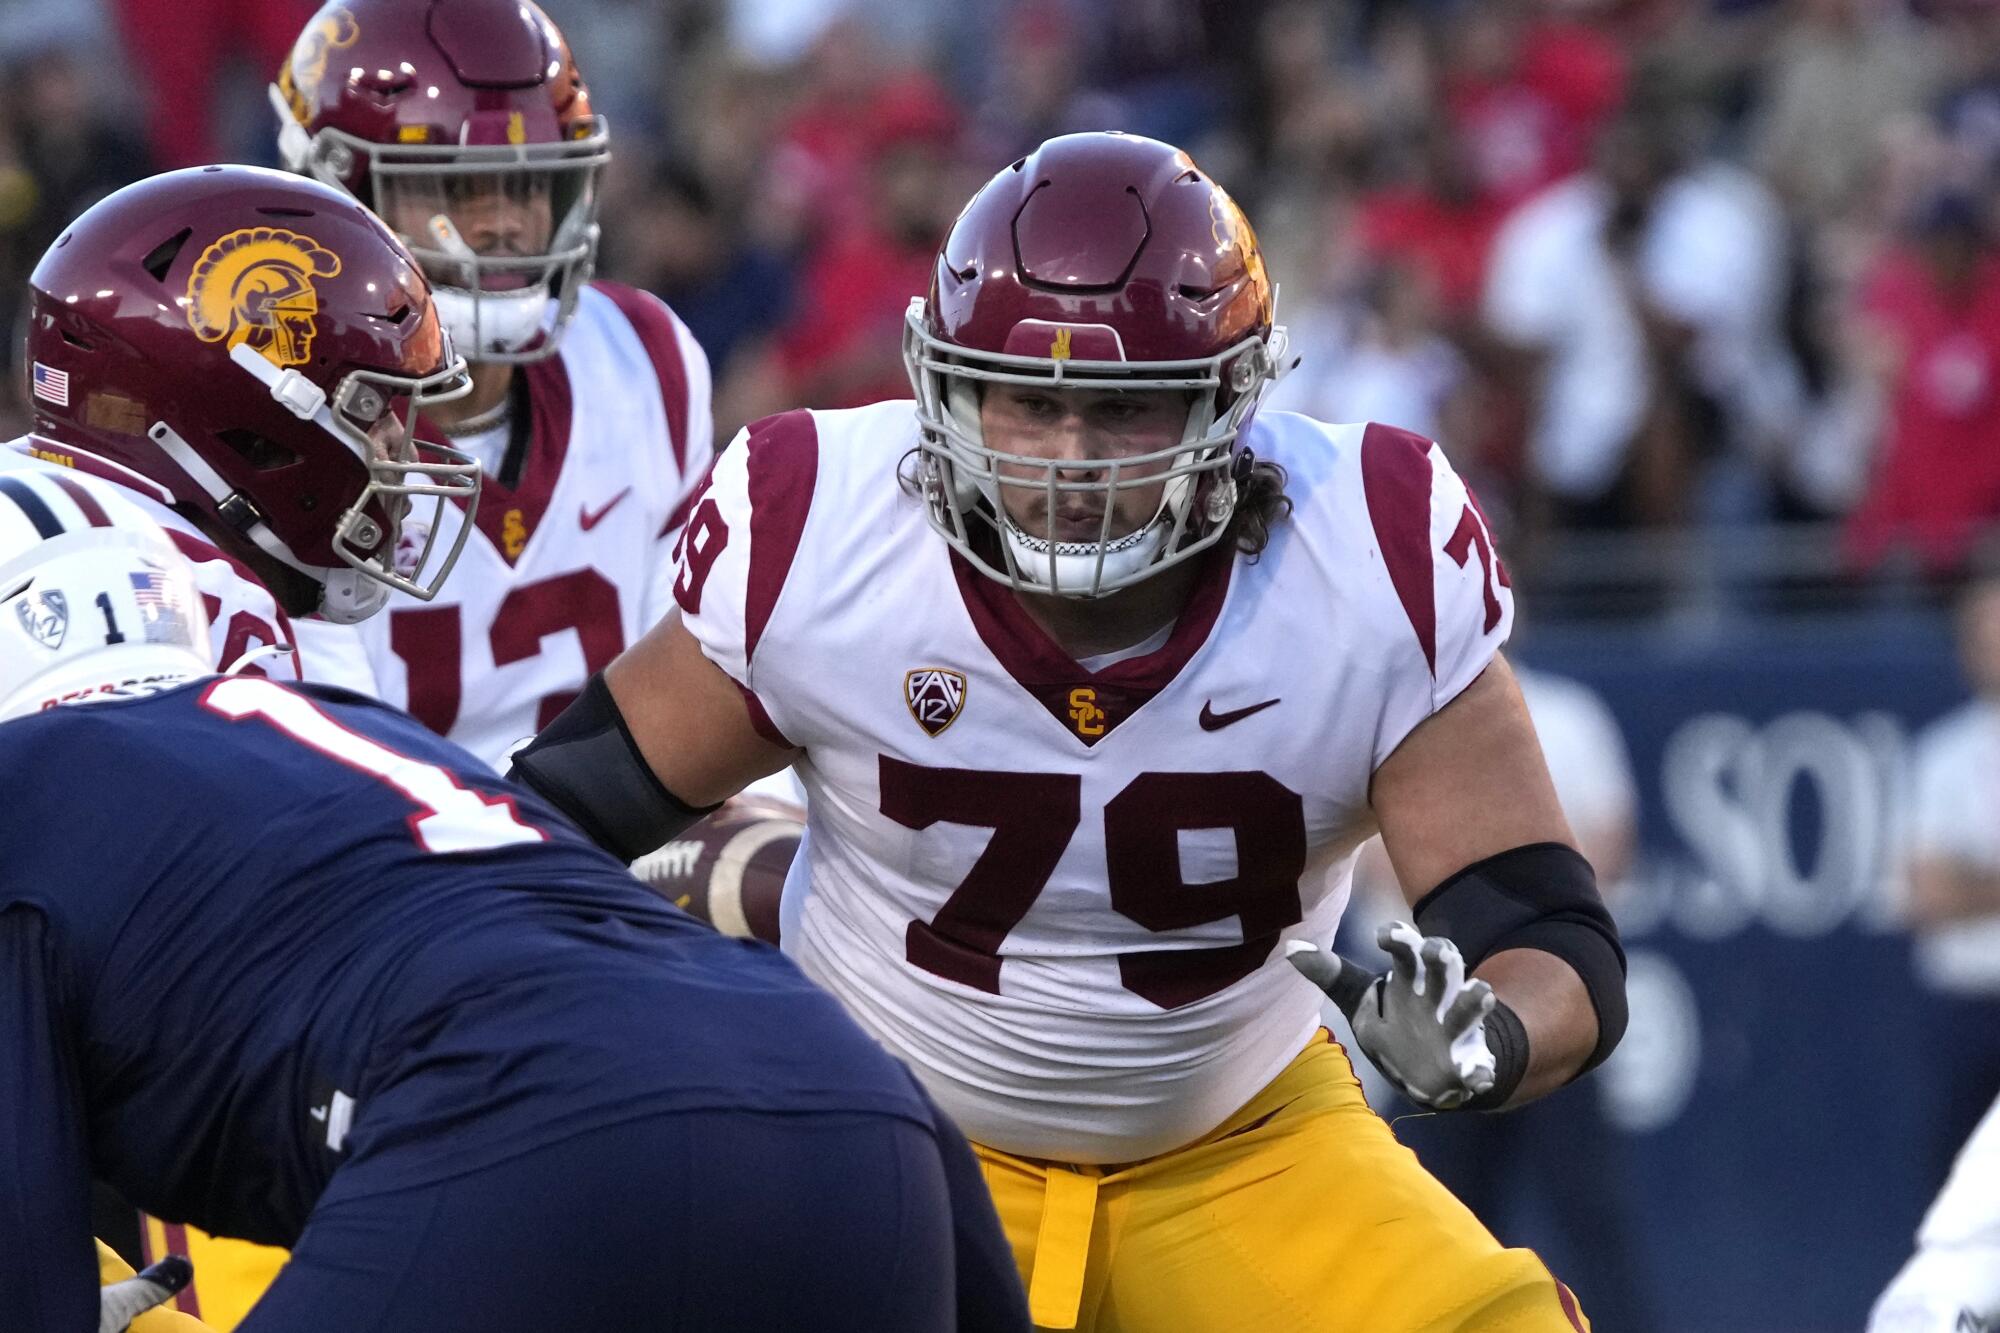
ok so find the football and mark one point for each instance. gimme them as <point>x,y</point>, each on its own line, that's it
<point>729,869</point>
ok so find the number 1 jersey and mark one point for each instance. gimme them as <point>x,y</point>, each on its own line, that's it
<point>566,567</point>
<point>1058,893</point>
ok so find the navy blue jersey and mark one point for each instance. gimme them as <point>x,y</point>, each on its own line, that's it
<point>252,934</point>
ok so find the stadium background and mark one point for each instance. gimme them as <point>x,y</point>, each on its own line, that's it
<point>1803,461</point>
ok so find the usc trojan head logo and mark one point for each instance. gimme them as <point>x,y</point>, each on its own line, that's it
<point>300,77</point>
<point>256,286</point>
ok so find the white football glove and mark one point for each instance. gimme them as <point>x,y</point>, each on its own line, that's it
<point>119,1303</point>
<point>1422,1023</point>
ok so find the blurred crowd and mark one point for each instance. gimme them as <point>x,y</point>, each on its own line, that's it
<point>1660,264</point>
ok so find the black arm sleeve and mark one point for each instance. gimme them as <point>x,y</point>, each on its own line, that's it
<point>48,1268</point>
<point>1542,896</point>
<point>586,764</point>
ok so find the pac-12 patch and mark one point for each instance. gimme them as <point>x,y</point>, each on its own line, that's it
<point>935,696</point>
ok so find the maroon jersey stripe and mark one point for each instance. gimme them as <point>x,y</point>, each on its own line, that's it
<point>176,1240</point>
<point>92,511</point>
<point>1396,478</point>
<point>1042,668</point>
<point>510,518</point>
<point>678,519</point>
<point>783,466</point>
<point>648,316</point>
<point>760,718</point>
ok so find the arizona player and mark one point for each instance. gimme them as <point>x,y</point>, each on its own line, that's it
<point>239,352</point>
<point>1096,684</point>
<point>408,999</point>
<point>466,126</point>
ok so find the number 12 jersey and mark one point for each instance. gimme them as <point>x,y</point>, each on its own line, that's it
<point>572,562</point>
<point>1058,893</point>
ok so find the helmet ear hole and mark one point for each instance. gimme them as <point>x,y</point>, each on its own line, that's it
<point>263,454</point>
<point>163,255</point>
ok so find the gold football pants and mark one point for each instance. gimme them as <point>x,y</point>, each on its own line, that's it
<point>1300,1212</point>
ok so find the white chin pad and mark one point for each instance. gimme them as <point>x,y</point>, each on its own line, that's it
<point>1076,568</point>
<point>486,322</point>
<point>348,596</point>
<point>482,321</point>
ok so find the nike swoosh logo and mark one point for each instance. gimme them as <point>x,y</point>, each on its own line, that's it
<point>590,520</point>
<point>1214,721</point>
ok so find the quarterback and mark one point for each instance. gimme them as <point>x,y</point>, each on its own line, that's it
<point>466,125</point>
<point>1096,681</point>
<point>411,1024</point>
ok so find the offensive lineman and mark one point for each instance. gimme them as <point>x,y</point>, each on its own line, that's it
<point>466,125</point>
<point>1095,687</point>
<point>281,962</point>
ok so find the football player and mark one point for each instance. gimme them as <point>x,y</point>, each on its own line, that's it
<point>240,352</point>
<point>466,125</point>
<point>281,962</point>
<point>1096,683</point>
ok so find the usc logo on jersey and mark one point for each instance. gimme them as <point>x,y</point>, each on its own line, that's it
<point>513,533</point>
<point>1084,714</point>
<point>255,285</point>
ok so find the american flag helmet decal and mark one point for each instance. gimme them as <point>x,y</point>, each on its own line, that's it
<point>49,384</point>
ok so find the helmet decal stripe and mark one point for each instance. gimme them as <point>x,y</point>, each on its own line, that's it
<point>93,512</point>
<point>31,504</point>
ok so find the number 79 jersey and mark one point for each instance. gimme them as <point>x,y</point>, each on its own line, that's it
<point>1058,893</point>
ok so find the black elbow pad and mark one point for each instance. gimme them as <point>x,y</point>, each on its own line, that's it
<point>586,764</point>
<point>1542,896</point>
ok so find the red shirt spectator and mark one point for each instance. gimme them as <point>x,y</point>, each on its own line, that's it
<point>844,347</point>
<point>1447,238</point>
<point>1937,483</point>
<point>179,47</point>
<point>1529,99</point>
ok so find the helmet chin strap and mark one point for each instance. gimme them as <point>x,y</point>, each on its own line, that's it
<point>483,321</point>
<point>346,595</point>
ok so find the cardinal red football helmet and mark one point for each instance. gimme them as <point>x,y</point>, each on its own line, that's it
<point>465,125</point>
<point>1102,261</point>
<point>255,346</point>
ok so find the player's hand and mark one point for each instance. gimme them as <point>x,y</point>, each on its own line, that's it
<point>120,1303</point>
<point>1422,1022</point>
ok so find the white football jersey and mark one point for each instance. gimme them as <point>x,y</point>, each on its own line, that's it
<point>243,615</point>
<point>1059,894</point>
<point>563,570</point>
